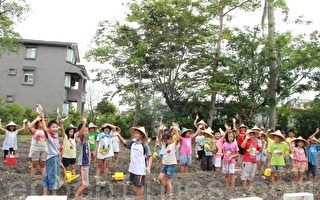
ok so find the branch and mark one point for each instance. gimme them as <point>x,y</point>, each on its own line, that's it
<point>237,6</point>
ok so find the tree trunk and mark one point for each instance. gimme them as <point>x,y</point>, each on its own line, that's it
<point>273,65</point>
<point>213,108</point>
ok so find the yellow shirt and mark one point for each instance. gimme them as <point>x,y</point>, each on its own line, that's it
<point>69,147</point>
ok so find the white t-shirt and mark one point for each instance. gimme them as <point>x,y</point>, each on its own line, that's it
<point>10,140</point>
<point>199,141</point>
<point>169,156</point>
<point>138,157</point>
<point>115,143</point>
<point>105,148</point>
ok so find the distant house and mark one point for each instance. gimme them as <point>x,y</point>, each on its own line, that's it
<point>46,73</point>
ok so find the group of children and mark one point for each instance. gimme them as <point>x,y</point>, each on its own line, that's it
<point>216,150</point>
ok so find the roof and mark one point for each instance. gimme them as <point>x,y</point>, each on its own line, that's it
<point>72,45</point>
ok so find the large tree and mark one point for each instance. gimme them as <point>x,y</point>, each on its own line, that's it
<point>11,12</point>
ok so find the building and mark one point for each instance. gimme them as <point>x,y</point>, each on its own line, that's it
<point>46,73</point>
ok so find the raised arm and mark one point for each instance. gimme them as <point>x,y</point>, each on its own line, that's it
<point>122,140</point>
<point>82,130</point>
<point>244,143</point>
<point>31,125</point>
<point>195,121</point>
<point>23,125</point>
<point>314,134</point>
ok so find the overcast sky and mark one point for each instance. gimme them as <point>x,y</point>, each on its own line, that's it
<point>77,20</point>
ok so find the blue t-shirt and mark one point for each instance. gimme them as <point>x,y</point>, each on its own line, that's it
<point>312,152</point>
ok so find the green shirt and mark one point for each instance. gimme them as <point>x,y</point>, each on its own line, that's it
<point>278,151</point>
<point>91,138</point>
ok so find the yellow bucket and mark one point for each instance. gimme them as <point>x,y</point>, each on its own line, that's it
<point>118,176</point>
<point>267,172</point>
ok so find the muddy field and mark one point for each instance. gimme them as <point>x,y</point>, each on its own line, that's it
<point>16,183</point>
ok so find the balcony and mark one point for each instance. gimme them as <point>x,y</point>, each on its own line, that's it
<point>76,96</point>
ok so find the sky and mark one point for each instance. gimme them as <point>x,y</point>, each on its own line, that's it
<point>77,20</point>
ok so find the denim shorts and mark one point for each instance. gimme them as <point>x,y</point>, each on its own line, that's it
<point>52,178</point>
<point>186,159</point>
<point>168,170</point>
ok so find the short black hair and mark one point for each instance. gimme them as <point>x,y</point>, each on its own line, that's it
<point>52,122</point>
<point>291,130</point>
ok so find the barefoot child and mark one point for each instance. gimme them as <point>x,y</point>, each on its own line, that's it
<point>312,152</point>
<point>10,143</point>
<point>230,151</point>
<point>249,162</point>
<point>187,135</point>
<point>84,157</point>
<point>140,159</point>
<point>104,149</point>
<point>38,149</point>
<point>276,152</point>
<point>299,159</point>
<point>169,163</point>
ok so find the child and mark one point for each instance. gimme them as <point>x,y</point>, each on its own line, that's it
<point>216,160</point>
<point>262,155</point>
<point>199,145</point>
<point>201,122</point>
<point>187,135</point>
<point>249,162</point>
<point>69,155</point>
<point>169,163</point>
<point>92,138</point>
<point>84,157</point>
<point>240,137</point>
<point>52,173</point>
<point>299,159</point>
<point>276,152</point>
<point>209,149</point>
<point>116,146</point>
<point>175,133</point>
<point>104,150</point>
<point>312,152</point>
<point>10,143</point>
<point>140,158</point>
<point>230,151</point>
<point>38,149</point>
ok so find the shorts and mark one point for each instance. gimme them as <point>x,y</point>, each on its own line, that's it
<point>52,177</point>
<point>84,175</point>
<point>276,169</point>
<point>68,161</point>
<point>261,157</point>
<point>39,155</point>
<point>312,169</point>
<point>241,150</point>
<point>248,171</point>
<point>186,159</point>
<point>298,169</point>
<point>228,168</point>
<point>137,180</point>
<point>216,161</point>
<point>168,170</point>
<point>116,153</point>
<point>108,158</point>
<point>200,154</point>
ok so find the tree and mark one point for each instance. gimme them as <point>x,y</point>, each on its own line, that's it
<point>10,13</point>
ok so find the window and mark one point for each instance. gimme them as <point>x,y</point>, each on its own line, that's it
<point>31,53</point>
<point>28,76</point>
<point>70,56</point>
<point>67,81</point>
<point>10,98</point>
<point>12,72</point>
<point>65,109</point>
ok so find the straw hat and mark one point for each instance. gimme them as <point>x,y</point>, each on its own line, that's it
<point>250,131</point>
<point>202,122</point>
<point>72,126</point>
<point>306,143</point>
<point>91,125</point>
<point>208,131</point>
<point>243,126</point>
<point>141,129</point>
<point>277,133</point>
<point>11,124</point>
<point>105,125</point>
<point>256,128</point>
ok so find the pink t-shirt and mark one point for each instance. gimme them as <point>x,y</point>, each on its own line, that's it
<point>229,149</point>
<point>219,144</point>
<point>186,145</point>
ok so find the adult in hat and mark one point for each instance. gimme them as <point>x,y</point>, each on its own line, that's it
<point>10,143</point>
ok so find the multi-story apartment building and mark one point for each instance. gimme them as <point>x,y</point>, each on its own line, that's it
<point>46,73</point>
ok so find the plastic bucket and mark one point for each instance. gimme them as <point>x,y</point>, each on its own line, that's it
<point>11,160</point>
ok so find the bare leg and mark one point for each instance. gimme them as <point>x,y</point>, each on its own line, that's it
<point>99,166</point>
<point>43,167</point>
<point>72,169</point>
<point>106,168</point>
<point>80,191</point>
<point>34,167</point>
<point>232,180</point>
